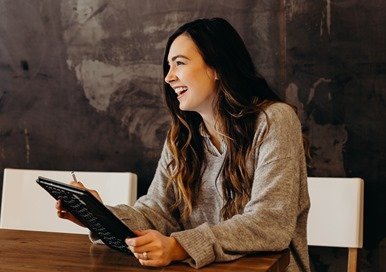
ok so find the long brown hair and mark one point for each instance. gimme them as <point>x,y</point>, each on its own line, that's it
<point>242,94</point>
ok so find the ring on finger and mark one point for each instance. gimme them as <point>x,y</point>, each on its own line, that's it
<point>144,254</point>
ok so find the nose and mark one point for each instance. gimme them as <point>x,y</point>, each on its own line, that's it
<point>170,77</point>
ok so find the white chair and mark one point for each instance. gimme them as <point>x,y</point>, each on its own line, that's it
<point>27,206</point>
<point>336,215</point>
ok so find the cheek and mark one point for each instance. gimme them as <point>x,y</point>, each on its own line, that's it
<point>197,78</point>
<point>190,78</point>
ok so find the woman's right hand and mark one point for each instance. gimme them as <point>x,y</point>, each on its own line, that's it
<point>62,213</point>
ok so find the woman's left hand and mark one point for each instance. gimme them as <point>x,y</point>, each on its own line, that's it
<point>152,248</point>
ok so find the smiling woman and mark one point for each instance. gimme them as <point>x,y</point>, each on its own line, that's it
<point>232,176</point>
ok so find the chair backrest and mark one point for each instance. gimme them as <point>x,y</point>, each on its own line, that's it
<point>335,218</point>
<point>27,206</point>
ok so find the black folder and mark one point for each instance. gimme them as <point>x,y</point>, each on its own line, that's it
<point>90,212</point>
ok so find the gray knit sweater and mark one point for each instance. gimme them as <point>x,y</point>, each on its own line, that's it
<point>275,218</point>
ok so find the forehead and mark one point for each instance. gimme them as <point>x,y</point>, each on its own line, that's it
<point>183,45</point>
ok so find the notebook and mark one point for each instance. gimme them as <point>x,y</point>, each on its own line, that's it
<point>90,212</point>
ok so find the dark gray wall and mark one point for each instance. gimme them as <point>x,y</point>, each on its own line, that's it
<point>80,87</point>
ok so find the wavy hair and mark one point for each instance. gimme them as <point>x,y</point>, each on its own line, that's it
<point>241,96</point>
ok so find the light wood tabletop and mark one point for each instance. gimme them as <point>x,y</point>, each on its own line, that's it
<point>46,251</point>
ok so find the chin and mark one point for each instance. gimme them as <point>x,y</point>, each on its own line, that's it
<point>183,107</point>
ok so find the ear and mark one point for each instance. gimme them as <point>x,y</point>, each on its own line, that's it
<point>212,73</point>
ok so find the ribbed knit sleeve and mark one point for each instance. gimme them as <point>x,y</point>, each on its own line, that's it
<point>151,211</point>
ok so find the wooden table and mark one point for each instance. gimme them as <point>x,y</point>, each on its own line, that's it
<point>45,251</point>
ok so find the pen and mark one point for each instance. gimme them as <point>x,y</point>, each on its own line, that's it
<point>73,176</point>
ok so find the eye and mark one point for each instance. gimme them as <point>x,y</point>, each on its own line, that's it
<point>178,63</point>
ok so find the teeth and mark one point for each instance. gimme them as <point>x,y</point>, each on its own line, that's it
<point>179,90</point>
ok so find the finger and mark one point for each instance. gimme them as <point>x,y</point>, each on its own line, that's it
<point>67,215</point>
<point>80,185</point>
<point>60,213</point>
<point>96,194</point>
<point>150,247</point>
<point>144,256</point>
<point>142,232</point>
<point>139,241</point>
<point>64,215</point>
<point>58,205</point>
<point>77,184</point>
<point>146,262</point>
<point>150,262</point>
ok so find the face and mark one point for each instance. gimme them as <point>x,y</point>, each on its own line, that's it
<point>192,80</point>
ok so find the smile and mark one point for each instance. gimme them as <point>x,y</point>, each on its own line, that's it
<point>180,91</point>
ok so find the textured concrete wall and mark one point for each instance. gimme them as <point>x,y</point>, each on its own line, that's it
<point>336,74</point>
<point>80,86</point>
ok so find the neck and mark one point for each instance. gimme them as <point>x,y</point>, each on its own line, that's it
<point>210,125</point>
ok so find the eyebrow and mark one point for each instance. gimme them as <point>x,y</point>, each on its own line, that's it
<point>178,56</point>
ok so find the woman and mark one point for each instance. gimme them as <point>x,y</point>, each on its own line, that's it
<point>232,176</point>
